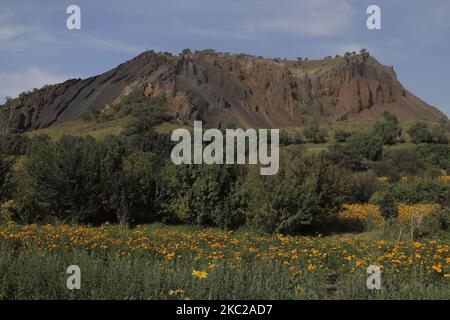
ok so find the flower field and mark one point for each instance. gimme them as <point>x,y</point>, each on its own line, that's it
<point>208,264</point>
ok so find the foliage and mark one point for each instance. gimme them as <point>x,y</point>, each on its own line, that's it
<point>201,195</point>
<point>133,190</point>
<point>420,133</point>
<point>62,180</point>
<point>304,193</point>
<point>388,129</point>
<point>315,134</point>
<point>8,211</point>
<point>435,155</point>
<point>416,190</point>
<point>150,109</point>
<point>388,206</point>
<point>341,135</point>
<point>398,163</point>
<point>346,156</point>
<point>5,178</point>
<point>437,224</point>
<point>287,139</point>
<point>366,145</point>
<point>13,144</point>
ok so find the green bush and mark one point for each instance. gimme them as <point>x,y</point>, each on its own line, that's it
<point>435,155</point>
<point>366,145</point>
<point>361,187</point>
<point>14,144</point>
<point>341,135</point>
<point>388,129</point>
<point>201,195</point>
<point>6,183</point>
<point>315,134</point>
<point>416,190</point>
<point>388,206</point>
<point>136,104</point>
<point>420,133</point>
<point>132,192</point>
<point>62,181</point>
<point>300,198</point>
<point>8,211</point>
<point>287,139</point>
<point>344,155</point>
<point>436,224</point>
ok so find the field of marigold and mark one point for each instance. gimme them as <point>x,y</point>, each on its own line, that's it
<point>370,215</point>
<point>161,262</point>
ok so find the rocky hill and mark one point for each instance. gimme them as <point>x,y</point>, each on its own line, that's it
<point>223,89</point>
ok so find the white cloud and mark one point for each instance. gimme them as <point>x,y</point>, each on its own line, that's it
<point>7,33</point>
<point>12,84</point>
<point>253,18</point>
<point>110,44</point>
<point>19,37</point>
<point>310,17</point>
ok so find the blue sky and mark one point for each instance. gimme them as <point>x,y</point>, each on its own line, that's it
<point>36,48</point>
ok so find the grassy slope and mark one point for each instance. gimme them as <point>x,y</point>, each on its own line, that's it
<point>83,128</point>
<point>114,127</point>
<point>95,129</point>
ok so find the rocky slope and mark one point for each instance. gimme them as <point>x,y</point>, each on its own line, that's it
<point>224,89</point>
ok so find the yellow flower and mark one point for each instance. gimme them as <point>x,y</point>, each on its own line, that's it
<point>311,267</point>
<point>170,256</point>
<point>199,274</point>
<point>437,268</point>
<point>176,292</point>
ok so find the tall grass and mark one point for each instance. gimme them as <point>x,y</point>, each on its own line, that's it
<point>253,266</point>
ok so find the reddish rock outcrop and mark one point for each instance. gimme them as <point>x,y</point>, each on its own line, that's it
<point>223,89</point>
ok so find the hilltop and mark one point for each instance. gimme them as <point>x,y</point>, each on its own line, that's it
<point>223,90</point>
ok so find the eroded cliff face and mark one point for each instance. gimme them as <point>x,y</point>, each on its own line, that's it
<point>224,89</point>
<point>73,98</point>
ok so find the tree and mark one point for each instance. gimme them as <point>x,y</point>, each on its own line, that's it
<point>388,206</point>
<point>440,135</point>
<point>133,191</point>
<point>420,133</point>
<point>388,129</point>
<point>341,135</point>
<point>347,157</point>
<point>304,194</point>
<point>201,195</point>
<point>315,134</point>
<point>435,155</point>
<point>364,53</point>
<point>186,51</point>
<point>13,144</point>
<point>62,181</point>
<point>366,145</point>
<point>5,178</point>
<point>287,139</point>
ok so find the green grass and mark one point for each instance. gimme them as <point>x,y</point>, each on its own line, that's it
<point>253,266</point>
<point>98,130</point>
<point>83,128</point>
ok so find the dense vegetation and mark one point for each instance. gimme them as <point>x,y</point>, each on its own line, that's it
<point>130,179</point>
<point>368,180</point>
